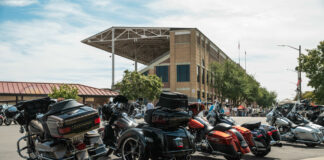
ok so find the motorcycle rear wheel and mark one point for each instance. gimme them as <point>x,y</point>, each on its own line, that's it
<point>233,158</point>
<point>310,145</point>
<point>7,122</point>
<point>1,121</point>
<point>262,153</point>
<point>133,149</point>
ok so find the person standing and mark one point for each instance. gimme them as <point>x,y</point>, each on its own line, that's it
<point>149,106</point>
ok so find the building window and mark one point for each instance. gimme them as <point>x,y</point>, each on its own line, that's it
<point>203,76</point>
<point>163,72</point>
<point>198,94</point>
<point>207,77</point>
<point>145,73</point>
<point>198,74</point>
<point>203,94</point>
<point>183,73</point>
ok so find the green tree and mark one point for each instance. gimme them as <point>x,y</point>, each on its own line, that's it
<point>135,85</point>
<point>65,91</point>
<point>313,65</point>
<point>231,82</point>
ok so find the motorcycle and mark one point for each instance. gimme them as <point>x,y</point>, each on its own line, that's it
<point>258,137</point>
<point>9,114</point>
<point>58,130</point>
<point>163,136</point>
<point>221,139</point>
<point>305,132</point>
<point>1,115</point>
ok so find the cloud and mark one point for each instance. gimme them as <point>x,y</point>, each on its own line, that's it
<point>49,48</point>
<point>17,3</point>
<point>260,26</point>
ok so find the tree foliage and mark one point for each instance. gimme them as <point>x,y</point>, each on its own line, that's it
<point>313,65</point>
<point>135,85</point>
<point>65,91</point>
<point>231,82</point>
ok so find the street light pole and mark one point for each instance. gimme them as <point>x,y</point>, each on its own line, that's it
<point>299,75</point>
<point>299,91</point>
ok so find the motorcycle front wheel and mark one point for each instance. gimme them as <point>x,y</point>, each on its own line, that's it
<point>7,122</point>
<point>133,149</point>
<point>1,121</point>
<point>310,144</point>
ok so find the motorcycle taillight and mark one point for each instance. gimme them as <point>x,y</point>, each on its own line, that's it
<point>65,130</point>
<point>97,120</point>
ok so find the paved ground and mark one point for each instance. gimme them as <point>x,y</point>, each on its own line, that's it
<point>10,134</point>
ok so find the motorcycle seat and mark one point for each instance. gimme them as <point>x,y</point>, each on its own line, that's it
<point>222,127</point>
<point>251,125</point>
<point>293,125</point>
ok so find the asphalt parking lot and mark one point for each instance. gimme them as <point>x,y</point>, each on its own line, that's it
<point>10,134</point>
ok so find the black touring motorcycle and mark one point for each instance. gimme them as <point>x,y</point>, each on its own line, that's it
<point>163,136</point>
<point>61,130</point>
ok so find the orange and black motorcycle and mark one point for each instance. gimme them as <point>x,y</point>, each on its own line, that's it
<point>220,139</point>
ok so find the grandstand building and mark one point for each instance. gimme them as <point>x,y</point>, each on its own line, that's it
<point>179,56</point>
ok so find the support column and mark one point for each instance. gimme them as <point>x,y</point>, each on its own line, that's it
<point>135,61</point>
<point>113,57</point>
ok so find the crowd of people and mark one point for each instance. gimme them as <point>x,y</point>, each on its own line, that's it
<point>230,110</point>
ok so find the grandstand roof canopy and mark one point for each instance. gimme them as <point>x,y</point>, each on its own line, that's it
<point>143,44</point>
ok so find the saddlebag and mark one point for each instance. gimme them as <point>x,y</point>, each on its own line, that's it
<point>222,142</point>
<point>71,122</point>
<point>246,133</point>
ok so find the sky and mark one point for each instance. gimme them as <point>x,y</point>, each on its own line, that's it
<point>40,39</point>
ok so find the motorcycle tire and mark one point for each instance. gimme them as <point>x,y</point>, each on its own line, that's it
<point>310,145</point>
<point>127,149</point>
<point>233,158</point>
<point>187,157</point>
<point>1,121</point>
<point>109,152</point>
<point>7,122</point>
<point>262,153</point>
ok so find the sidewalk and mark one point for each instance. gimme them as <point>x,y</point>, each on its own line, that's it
<point>315,158</point>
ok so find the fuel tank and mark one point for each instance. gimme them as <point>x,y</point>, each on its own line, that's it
<point>125,122</point>
<point>281,122</point>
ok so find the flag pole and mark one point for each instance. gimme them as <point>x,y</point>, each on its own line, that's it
<point>239,49</point>
<point>245,61</point>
